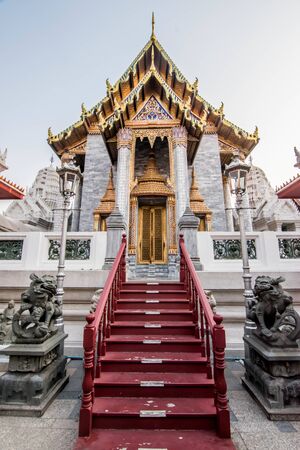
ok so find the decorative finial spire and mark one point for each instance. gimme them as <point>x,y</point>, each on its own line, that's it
<point>255,134</point>
<point>50,134</point>
<point>117,104</point>
<point>152,68</point>
<point>3,155</point>
<point>108,85</point>
<point>221,109</point>
<point>83,109</point>
<point>297,153</point>
<point>189,102</point>
<point>153,37</point>
<point>51,160</point>
<point>195,84</point>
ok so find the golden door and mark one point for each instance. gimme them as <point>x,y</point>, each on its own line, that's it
<point>152,235</point>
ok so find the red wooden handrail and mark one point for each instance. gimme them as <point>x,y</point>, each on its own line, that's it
<point>208,327</point>
<point>95,333</point>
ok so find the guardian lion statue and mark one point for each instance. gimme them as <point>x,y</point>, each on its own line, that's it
<point>35,319</point>
<point>277,322</point>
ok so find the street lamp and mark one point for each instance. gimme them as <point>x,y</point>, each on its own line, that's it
<point>237,172</point>
<point>69,178</point>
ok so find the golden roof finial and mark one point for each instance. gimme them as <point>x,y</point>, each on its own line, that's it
<point>255,134</point>
<point>83,109</point>
<point>153,37</point>
<point>117,104</point>
<point>108,85</point>
<point>152,67</point>
<point>195,84</point>
<point>189,102</point>
<point>221,109</point>
<point>50,134</point>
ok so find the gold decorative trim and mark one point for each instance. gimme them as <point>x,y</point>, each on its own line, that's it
<point>132,226</point>
<point>152,134</point>
<point>124,138</point>
<point>94,129</point>
<point>210,128</point>
<point>179,137</point>
<point>172,225</point>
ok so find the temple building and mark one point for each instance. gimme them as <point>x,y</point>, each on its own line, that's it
<point>268,211</point>
<point>153,147</point>
<point>37,208</point>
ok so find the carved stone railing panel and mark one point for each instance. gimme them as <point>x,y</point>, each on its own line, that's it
<point>11,249</point>
<point>231,249</point>
<point>289,248</point>
<point>76,249</point>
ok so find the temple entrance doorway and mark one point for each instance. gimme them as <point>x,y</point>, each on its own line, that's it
<point>152,236</point>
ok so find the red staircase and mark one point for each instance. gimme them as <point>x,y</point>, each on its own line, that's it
<point>154,366</point>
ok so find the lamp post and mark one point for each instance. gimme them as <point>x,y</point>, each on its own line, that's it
<point>69,178</point>
<point>237,172</point>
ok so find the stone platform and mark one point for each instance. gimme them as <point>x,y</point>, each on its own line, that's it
<point>34,376</point>
<point>272,378</point>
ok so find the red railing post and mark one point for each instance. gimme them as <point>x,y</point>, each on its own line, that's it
<point>96,331</point>
<point>123,260</point>
<point>219,344</point>
<point>89,337</point>
<point>182,263</point>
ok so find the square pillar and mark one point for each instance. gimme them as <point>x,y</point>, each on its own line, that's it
<point>181,171</point>
<point>124,143</point>
<point>188,225</point>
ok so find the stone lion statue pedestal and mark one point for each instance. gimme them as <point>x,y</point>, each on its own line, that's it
<point>272,354</point>
<point>37,366</point>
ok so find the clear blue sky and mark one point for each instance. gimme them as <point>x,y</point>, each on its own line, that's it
<point>56,54</point>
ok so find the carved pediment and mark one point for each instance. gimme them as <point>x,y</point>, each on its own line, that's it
<point>153,110</point>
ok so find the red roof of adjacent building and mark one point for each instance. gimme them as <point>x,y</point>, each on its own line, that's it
<point>9,190</point>
<point>291,189</point>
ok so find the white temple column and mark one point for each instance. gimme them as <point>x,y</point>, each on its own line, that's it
<point>181,170</point>
<point>124,140</point>
<point>228,205</point>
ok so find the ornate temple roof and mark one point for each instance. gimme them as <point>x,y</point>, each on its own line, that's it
<point>152,73</point>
